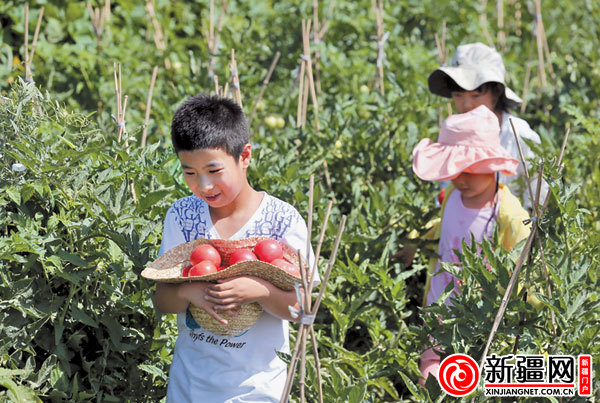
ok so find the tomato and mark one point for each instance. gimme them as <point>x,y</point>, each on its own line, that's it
<point>202,268</point>
<point>287,266</point>
<point>222,268</point>
<point>441,196</point>
<point>241,255</point>
<point>186,271</point>
<point>275,122</point>
<point>268,250</point>
<point>205,252</point>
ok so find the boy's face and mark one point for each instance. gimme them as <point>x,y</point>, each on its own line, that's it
<point>466,101</point>
<point>214,175</point>
<point>473,185</point>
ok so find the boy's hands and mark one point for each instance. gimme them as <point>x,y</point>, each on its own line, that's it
<point>232,293</point>
<point>195,292</point>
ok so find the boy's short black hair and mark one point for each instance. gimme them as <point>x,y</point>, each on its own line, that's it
<point>208,121</point>
<point>496,88</point>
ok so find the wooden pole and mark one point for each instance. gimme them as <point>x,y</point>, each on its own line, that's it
<point>501,34</point>
<point>379,82</point>
<point>539,36</point>
<point>26,43</point>
<point>235,81</point>
<point>149,106</point>
<point>522,258</point>
<point>306,327</point>
<point>309,71</point>
<point>263,86</point>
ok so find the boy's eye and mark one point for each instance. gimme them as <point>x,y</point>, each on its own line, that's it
<point>189,173</point>
<point>214,171</point>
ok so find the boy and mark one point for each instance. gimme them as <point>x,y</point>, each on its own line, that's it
<point>210,136</point>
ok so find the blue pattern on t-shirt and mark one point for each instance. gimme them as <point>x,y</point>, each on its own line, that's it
<point>275,218</point>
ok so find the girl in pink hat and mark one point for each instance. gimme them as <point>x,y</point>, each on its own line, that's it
<point>475,77</point>
<point>468,153</point>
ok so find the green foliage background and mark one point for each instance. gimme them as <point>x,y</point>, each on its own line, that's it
<point>76,319</point>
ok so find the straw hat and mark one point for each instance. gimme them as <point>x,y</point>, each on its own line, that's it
<point>168,268</point>
<point>472,65</point>
<point>468,142</point>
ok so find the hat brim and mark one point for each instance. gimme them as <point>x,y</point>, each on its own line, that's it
<point>435,161</point>
<point>469,79</point>
<point>168,267</point>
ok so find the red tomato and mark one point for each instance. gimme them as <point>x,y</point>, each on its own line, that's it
<point>202,268</point>
<point>441,196</point>
<point>287,266</point>
<point>268,250</point>
<point>205,252</point>
<point>241,255</point>
<point>221,268</point>
<point>186,271</point>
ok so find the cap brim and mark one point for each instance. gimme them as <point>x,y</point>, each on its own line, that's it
<point>469,79</point>
<point>436,162</point>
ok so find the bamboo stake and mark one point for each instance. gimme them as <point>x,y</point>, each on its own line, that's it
<point>305,101</point>
<point>522,257</point>
<point>235,81</point>
<point>263,86</point>
<point>307,312</point>
<point>119,119</point>
<point>526,88</point>
<point>159,36</point>
<point>309,71</point>
<point>325,24</point>
<point>304,327</point>
<point>299,121</point>
<point>213,34</point>
<point>539,40</point>
<point>501,34</point>
<point>35,38</point>
<point>443,57</point>
<point>313,339</point>
<point>381,38</point>
<point>306,81</point>
<point>99,16</point>
<point>121,105</point>
<point>328,180</point>
<point>317,39</point>
<point>26,41</point>
<point>483,24</point>
<point>217,88</point>
<point>535,203</point>
<point>149,106</point>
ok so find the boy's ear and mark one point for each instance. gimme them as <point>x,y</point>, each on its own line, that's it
<point>246,155</point>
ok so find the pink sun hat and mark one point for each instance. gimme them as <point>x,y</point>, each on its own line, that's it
<point>468,142</point>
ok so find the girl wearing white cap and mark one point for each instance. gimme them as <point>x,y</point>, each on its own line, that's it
<point>475,77</point>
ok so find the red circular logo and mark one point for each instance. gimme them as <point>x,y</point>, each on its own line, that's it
<point>458,375</point>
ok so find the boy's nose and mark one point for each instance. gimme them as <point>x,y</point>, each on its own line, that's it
<point>205,184</point>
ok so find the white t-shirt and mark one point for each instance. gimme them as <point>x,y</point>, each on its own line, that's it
<point>209,368</point>
<point>507,140</point>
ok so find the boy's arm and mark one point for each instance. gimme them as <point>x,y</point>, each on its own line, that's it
<point>231,293</point>
<point>175,298</point>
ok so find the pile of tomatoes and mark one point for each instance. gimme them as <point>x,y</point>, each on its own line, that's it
<point>205,259</point>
